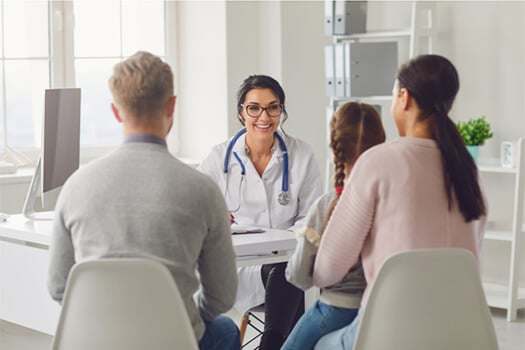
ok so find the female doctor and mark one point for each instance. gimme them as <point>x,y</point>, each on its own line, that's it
<point>269,179</point>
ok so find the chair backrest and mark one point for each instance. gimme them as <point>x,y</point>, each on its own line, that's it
<point>123,304</point>
<point>427,299</point>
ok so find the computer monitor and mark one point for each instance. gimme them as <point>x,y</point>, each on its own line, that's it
<point>60,155</point>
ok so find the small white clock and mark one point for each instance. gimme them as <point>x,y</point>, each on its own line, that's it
<point>507,154</point>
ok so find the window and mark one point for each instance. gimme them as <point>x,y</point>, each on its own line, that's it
<point>70,44</point>
<point>25,71</point>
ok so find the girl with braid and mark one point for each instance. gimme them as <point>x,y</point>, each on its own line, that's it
<point>420,191</point>
<point>354,128</point>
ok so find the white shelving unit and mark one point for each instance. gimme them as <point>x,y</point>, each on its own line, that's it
<point>509,296</point>
<point>420,28</point>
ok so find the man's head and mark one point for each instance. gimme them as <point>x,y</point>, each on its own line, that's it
<point>142,89</point>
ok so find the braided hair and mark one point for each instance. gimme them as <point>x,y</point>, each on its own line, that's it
<point>354,128</point>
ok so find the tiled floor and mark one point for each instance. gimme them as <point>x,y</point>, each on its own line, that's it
<point>511,335</point>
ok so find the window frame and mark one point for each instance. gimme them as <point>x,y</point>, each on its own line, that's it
<point>62,58</point>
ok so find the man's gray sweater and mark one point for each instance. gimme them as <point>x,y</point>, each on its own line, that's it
<point>141,201</point>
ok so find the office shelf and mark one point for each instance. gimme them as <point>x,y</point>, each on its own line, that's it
<point>375,35</point>
<point>501,231</point>
<point>508,296</point>
<point>498,295</point>
<point>493,165</point>
<point>420,29</point>
<point>499,235</point>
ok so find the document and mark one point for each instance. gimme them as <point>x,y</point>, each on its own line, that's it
<point>239,230</point>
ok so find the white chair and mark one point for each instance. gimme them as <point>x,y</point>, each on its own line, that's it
<point>427,299</point>
<point>122,304</point>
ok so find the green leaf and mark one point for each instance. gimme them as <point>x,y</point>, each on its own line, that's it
<point>474,132</point>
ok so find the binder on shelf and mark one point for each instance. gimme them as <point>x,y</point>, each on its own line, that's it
<point>349,17</point>
<point>347,69</point>
<point>329,70</point>
<point>372,68</point>
<point>339,61</point>
<point>329,17</point>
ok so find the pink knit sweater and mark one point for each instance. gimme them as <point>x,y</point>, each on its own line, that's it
<point>395,201</point>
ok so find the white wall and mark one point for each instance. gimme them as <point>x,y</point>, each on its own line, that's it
<point>253,46</point>
<point>201,77</point>
<point>303,40</point>
<point>486,42</point>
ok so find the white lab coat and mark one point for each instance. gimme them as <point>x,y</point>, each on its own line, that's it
<point>253,200</point>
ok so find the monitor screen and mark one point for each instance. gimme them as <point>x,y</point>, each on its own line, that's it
<point>60,155</point>
<point>60,140</point>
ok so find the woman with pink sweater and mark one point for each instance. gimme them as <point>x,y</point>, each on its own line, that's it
<point>420,191</point>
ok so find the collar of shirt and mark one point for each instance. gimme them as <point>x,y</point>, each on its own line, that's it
<point>241,148</point>
<point>145,138</point>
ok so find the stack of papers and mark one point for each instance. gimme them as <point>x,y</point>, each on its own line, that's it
<point>238,229</point>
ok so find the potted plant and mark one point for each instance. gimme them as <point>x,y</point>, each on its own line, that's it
<point>474,133</point>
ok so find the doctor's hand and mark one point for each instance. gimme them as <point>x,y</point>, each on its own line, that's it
<point>232,218</point>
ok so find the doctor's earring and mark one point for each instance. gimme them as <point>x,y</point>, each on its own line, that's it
<point>284,117</point>
<point>241,120</point>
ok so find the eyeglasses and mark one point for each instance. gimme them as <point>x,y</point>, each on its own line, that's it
<point>255,111</point>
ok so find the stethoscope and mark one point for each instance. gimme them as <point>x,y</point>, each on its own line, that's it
<point>283,197</point>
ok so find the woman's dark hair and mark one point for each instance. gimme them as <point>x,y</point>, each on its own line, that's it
<point>260,82</point>
<point>433,82</point>
<point>354,128</point>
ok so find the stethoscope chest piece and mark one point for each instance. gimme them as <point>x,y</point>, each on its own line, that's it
<point>283,198</point>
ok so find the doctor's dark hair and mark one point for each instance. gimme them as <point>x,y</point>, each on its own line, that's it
<point>433,82</point>
<point>260,82</point>
<point>354,128</point>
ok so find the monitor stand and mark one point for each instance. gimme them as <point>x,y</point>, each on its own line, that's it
<point>28,210</point>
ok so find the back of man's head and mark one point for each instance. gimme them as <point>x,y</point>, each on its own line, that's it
<point>142,84</point>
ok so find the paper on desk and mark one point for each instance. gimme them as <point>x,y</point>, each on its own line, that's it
<point>238,229</point>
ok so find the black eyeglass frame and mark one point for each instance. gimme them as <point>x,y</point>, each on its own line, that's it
<point>263,109</point>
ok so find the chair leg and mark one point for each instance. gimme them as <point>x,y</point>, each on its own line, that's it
<point>244,323</point>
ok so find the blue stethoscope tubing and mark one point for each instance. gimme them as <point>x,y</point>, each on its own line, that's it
<point>283,198</point>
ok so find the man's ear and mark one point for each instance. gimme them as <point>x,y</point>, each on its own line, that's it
<point>171,105</point>
<point>116,113</point>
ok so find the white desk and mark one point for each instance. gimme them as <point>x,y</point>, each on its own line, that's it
<point>24,256</point>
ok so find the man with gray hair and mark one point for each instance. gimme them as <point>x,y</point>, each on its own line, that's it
<point>141,201</point>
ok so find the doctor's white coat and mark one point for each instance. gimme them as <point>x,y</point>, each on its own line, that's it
<point>253,198</point>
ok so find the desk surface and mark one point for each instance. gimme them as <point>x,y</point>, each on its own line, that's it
<point>38,232</point>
